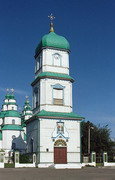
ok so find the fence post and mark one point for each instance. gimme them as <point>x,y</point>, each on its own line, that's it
<point>16,158</point>
<point>34,158</point>
<point>93,157</point>
<point>2,159</point>
<point>105,157</point>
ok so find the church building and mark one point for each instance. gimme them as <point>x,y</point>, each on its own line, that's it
<point>12,126</point>
<point>53,132</point>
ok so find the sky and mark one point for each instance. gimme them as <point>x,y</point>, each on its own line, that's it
<point>88,25</point>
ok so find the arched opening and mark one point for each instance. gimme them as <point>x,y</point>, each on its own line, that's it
<point>60,152</point>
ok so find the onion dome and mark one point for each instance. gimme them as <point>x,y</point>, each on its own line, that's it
<point>52,40</point>
<point>27,112</point>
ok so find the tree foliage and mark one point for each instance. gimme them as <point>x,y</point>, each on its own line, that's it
<point>100,140</point>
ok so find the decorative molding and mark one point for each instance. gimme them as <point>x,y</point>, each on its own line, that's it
<point>58,86</point>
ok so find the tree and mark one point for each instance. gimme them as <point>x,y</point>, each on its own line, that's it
<point>100,140</point>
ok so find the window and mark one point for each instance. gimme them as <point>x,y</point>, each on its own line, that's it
<point>36,97</point>
<point>38,62</point>
<point>56,59</point>
<point>58,94</point>
<point>13,121</point>
<point>12,108</point>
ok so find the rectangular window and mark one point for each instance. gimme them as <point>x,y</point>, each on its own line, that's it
<point>58,96</point>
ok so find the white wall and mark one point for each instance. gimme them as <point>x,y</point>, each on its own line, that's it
<point>46,95</point>
<point>47,63</point>
<point>8,120</point>
<point>45,133</point>
<point>32,132</point>
<point>73,145</point>
<point>8,139</point>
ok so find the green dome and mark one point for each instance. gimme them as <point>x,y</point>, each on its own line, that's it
<point>12,113</point>
<point>7,96</point>
<point>53,40</point>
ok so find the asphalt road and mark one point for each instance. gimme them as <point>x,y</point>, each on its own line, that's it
<point>56,174</point>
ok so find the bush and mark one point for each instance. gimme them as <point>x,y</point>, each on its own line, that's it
<point>25,158</point>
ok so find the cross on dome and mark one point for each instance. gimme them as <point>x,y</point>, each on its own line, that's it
<point>7,90</point>
<point>26,97</point>
<point>12,90</point>
<point>51,17</point>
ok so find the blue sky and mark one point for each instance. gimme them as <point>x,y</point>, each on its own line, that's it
<point>89,26</point>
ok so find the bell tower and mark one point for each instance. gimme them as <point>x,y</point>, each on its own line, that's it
<point>54,129</point>
<point>52,87</point>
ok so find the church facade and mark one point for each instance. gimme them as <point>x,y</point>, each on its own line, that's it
<point>53,132</point>
<point>12,126</point>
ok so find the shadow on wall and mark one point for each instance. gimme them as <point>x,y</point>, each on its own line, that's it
<point>18,143</point>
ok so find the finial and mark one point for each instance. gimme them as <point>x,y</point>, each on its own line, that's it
<point>51,17</point>
<point>26,97</point>
<point>7,90</point>
<point>12,91</point>
<point>27,100</point>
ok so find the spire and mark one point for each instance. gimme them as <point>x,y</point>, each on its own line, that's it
<point>27,112</point>
<point>51,17</point>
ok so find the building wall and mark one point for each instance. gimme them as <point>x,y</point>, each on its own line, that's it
<point>32,133</point>
<point>47,129</point>
<point>48,64</point>
<point>46,95</point>
<point>8,120</point>
<point>8,139</point>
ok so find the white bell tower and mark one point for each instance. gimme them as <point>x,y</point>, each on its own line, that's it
<point>52,87</point>
<point>53,132</point>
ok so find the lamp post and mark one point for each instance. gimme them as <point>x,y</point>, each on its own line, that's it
<point>89,137</point>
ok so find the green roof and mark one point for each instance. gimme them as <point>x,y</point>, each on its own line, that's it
<point>12,127</point>
<point>71,115</point>
<point>27,108</point>
<point>53,75</point>
<point>0,135</point>
<point>53,40</point>
<point>9,96</point>
<point>12,113</point>
<point>2,113</point>
<point>10,103</point>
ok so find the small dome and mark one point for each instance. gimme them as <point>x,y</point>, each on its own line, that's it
<point>53,40</point>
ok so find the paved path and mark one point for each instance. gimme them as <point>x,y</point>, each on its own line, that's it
<point>53,174</point>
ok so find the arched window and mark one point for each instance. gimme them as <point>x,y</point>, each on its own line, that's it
<point>13,121</point>
<point>56,59</point>
<point>12,107</point>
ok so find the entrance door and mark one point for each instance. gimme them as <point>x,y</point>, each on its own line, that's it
<point>60,155</point>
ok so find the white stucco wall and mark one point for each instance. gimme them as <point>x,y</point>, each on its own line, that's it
<point>8,120</point>
<point>12,107</point>
<point>46,95</point>
<point>8,140</point>
<point>32,133</point>
<point>47,63</point>
<point>1,121</point>
<point>1,144</point>
<point>45,134</point>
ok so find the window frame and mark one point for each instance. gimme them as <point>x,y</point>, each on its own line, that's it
<point>60,59</point>
<point>58,87</point>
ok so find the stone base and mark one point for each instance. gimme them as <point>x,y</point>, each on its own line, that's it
<point>61,166</point>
